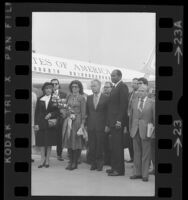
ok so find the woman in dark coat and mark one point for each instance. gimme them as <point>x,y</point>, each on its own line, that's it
<point>46,119</point>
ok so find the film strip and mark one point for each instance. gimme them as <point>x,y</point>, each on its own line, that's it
<point>169,92</point>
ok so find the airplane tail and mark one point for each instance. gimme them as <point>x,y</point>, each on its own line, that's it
<point>147,69</point>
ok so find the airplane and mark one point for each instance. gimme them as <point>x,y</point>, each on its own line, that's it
<point>45,68</point>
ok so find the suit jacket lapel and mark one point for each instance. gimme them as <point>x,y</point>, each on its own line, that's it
<point>49,103</point>
<point>145,105</point>
<point>99,101</point>
<point>43,103</point>
<point>92,102</point>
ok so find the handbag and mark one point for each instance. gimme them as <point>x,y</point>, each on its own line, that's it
<point>83,132</point>
<point>52,122</point>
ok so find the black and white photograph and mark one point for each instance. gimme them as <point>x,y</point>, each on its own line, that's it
<point>93,104</point>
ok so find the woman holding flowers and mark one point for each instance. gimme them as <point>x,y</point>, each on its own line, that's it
<point>76,109</point>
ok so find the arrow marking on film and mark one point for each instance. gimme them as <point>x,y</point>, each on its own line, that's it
<point>178,144</point>
<point>178,53</point>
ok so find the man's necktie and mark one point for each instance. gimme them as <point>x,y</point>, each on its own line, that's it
<point>141,104</point>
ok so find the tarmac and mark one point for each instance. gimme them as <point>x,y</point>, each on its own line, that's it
<point>57,181</point>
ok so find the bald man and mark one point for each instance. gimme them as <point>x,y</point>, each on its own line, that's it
<point>96,109</point>
<point>142,113</point>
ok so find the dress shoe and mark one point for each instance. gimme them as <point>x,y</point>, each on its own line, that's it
<point>43,164</point>
<point>145,179</point>
<point>73,167</point>
<point>60,158</point>
<point>100,166</point>
<point>93,167</point>
<point>69,166</point>
<point>136,177</point>
<point>109,170</point>
<point>114,173</point>
<point>152,172</point>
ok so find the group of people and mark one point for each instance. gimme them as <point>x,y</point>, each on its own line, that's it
<point>100,122</point>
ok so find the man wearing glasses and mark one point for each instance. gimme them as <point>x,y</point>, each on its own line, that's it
<point>62,95</point>
<point>107,88</point>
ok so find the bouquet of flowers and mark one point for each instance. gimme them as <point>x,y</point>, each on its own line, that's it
<point>64,108</point>
<point>57,101</point>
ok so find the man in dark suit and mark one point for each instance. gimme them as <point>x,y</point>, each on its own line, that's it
<point>62,95</point>
<point>132,96</point>
<point>96,108</point>
<point>107,137</point>
<point>117,121</point>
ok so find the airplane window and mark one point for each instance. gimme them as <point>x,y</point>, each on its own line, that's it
<point>49,70</point>
<point>71,73</point>
<point>82,74</point>
<point>54,70</point>
<point>58,71</point>
<point>99,76</point>
<point>85,75</point>
<point>95,76</point>
<point>44,69</point>
<point>74,73</point>
<point>39,69</point>
<point>92,75</point>
<point>35,69</point>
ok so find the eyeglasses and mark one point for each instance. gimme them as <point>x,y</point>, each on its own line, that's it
<point>55,84</point>
<point>74,86</point>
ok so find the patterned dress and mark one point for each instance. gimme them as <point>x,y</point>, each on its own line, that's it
<point>78,105</point>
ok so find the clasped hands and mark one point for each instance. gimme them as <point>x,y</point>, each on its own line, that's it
<point>48,116</point>
<point>36,127</point>
<point>117,126</point>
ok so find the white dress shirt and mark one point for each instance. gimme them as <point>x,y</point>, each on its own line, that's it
<point>46,99</point>
<point>115,85</point>
<point>97,96</point>
<point>143,102</point>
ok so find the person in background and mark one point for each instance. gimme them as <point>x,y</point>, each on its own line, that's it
<point>34,101</point>
<point>46,120</point>
<point>152,96</point>
<point>106,91</point>
<point>132,96</point>
<point>96,109</point>
<point>142,113</point>
<point>62,95</point>
<point>107,88</point>
<point>142,81</point>
<point>74,142</point>
<point>117,121</point>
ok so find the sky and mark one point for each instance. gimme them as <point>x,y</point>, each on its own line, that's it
<point>117,39</point>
